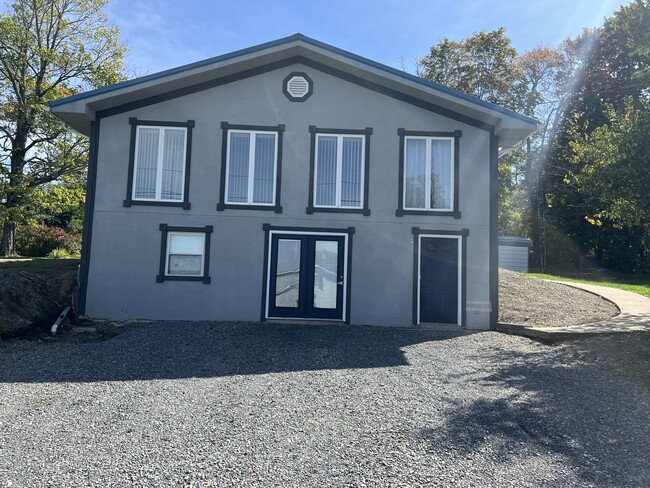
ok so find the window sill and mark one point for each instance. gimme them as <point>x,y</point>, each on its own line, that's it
<point>362,211</point>
<point>204,279</point>
<point>153,203</point>
<point>440,213</point>
<point>274,208</point>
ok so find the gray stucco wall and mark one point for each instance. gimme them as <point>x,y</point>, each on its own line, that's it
<point>125,250</point>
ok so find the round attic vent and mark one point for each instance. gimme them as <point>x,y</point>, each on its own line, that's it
<point>297,87</point>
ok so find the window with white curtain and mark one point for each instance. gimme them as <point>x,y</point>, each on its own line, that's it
<point>428,173</point>
<point>339,168</point>
<point>159,163</point>
<point>251,167</point>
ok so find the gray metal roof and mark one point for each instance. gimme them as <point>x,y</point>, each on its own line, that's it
<point>78,110</point>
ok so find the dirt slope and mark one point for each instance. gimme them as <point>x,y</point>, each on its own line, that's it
<point>33,291</point>
<point>527,300</point>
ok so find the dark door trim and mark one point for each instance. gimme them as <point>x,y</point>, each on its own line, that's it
<point>346,233</point>
<point>461,235</point>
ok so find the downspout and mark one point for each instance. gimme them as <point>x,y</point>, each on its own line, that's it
<point>65,311</point>
<point>56,324</point>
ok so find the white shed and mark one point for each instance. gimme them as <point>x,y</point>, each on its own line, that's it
<point>513,253</point>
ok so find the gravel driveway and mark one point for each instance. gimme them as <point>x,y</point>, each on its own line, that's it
<point>238,404</point>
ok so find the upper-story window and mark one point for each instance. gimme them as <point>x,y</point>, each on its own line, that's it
<point>429,173</point>
<point>251,170</point>
<point>159,163</point>
<point>339,170</point>
<point>251,167</point>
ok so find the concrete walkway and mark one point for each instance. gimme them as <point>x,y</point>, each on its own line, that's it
<point>634,317</point>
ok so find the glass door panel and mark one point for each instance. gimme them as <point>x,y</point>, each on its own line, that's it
<point>326,259</point>
<point>287,273</point>
<point>306,276</point>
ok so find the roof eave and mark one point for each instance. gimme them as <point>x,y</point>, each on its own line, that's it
<point>79,110</point>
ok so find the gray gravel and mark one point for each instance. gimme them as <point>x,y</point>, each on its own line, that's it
<point>238,404</point>
<point>528,300</point>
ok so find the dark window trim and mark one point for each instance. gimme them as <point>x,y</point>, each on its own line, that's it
<point>130,201</point>
<point>304,75</point>
<point>313,131</point>
<point>463,233</point>
<point>225,127</point>
<point>165,230</point>
<point>455,213</point>
<point>265,274</point>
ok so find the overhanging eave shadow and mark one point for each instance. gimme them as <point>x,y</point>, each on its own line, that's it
<point>170,350</point>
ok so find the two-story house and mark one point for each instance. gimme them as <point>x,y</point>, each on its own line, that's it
<point>291,180</point>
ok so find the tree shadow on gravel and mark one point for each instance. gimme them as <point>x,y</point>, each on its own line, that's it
<point>169,350</point>
<point>548,405</point>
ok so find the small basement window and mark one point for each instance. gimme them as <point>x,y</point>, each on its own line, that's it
<point>185,253</point>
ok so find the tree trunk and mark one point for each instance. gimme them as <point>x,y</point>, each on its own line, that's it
<point>8,245</point>
<point>541,217</point>
<point>11,195</point>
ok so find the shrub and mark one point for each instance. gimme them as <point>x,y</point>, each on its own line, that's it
<point>42,240</point>
<point>72,244</point>
<point>60,254</point>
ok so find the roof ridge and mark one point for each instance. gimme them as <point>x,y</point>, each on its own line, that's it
<point>285,40</point>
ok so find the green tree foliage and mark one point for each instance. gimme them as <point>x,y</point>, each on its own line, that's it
<point>483,65</point>
<point>553,77</point>
<point>611,76</point>
<point>641,48</point>
<point>597,160</point>
<point>512,195</point>
<point>48,49</point>
<point>613,178</point>
<point>578,187</point>
<point>486,66</point>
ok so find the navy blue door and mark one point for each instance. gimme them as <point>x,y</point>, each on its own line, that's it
<point>306,276</point>
<point>439,280</point>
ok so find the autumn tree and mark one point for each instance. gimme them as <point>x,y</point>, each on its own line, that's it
<point>483,65</point>
<point>552,76</point>
<point>48,49</point>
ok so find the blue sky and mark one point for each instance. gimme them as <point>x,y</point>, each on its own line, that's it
<point>163,34</point>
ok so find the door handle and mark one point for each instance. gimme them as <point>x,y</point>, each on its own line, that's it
<point>339,282</point>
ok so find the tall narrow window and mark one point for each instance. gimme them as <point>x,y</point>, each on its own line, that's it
<point>428,181</point>
<point>251,167</point>
<point>429,163</point>
<point>159,163</point>
<point>339,170</point>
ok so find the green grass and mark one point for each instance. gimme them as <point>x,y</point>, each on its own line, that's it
<point>38,265</point>
<point>637,283</point>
